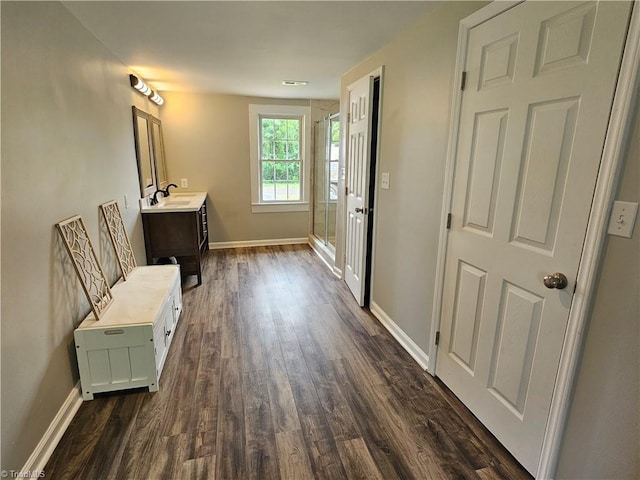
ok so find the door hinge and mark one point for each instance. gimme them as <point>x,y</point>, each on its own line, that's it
<point>448,221</point>
<point>437,337</point>
<point>463,82</point>
<point>346,191</point>
<point>348,117</point>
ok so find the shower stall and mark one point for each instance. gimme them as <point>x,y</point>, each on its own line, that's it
<point>325,184</point>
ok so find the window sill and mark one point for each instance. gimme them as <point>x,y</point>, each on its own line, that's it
<point>279,207</point>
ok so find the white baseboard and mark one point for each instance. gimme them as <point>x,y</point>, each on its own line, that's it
<point>403,339</point>
<point>325,254</point>
<point>49,441</point>
<point>258,243</point>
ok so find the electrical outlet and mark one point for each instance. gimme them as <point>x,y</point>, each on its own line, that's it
<point>184,183</point>
<point>623,218</point>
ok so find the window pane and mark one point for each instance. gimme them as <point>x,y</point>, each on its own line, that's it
<point>267,150</point>
<point>266,128</point>
<point>293,192</point>
<point>268,191</point>
<point>333,180</point>
<point>333,172</point>
<point>281,171</point>
<point>293,170</point>
<point>280,166</point>
<point>293,150</point>
<point>280,151</point>
<point>266,135</point>
<point>268,170</point>
<point>287,192</point>
<point>293,129</point>
<point>335,131</point>
<point>335,140</point>
<point>280,129</point>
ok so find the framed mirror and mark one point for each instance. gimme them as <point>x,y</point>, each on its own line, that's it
<point>149,144</point>
<point>144,154</point>
<point>158,153</point>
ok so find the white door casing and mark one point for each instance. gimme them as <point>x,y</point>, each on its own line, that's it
<point>540,80</point>
<point>357,183</point>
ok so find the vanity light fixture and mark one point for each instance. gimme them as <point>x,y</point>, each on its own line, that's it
<point>295,83</point>
<point>139,85</point>
<point>144,89</point>
<point>155,98</point>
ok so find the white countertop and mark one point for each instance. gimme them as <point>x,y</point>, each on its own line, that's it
<point>176,202</point>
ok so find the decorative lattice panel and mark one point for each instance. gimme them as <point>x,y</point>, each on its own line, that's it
<point>84,259</point>
<point>119,237</point>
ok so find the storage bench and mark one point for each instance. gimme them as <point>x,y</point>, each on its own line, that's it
<point>128,346</point>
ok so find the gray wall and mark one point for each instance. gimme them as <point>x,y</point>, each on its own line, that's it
<point>602,439</point>
<point>67,146</point>
<point>207,142</point>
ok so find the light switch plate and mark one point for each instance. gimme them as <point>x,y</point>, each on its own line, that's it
<point>184,183</point>
<point>623,218</point>
<point>384,181</point>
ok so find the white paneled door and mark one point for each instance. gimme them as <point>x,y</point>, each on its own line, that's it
<point>540,80</point>
<point>357,183</point>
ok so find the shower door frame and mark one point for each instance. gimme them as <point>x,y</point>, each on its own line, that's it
<point>323,242</point>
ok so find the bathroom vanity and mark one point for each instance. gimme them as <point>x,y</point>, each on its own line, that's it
<point>177,227</point>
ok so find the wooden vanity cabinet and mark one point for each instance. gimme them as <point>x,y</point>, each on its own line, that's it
<point>180,234</point>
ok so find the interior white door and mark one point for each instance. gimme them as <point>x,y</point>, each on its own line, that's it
<point>357,184</point>
<point>540,83</point>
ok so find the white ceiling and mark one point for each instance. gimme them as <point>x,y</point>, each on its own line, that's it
<point>246,47</point>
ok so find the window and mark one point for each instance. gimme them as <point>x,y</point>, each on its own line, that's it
<point>334,157</point>
<point>279,158</point>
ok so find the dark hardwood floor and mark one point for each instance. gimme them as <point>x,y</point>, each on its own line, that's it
<point>276,373</point>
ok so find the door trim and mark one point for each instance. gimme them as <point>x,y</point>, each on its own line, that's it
<point>375,73</point>
<point>605,190</point>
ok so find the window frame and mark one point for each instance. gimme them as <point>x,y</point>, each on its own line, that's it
<point>256,113</point>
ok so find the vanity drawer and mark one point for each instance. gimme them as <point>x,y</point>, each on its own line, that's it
<point>113,337</point>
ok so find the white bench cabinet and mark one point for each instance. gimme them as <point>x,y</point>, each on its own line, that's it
<point>128,346</point>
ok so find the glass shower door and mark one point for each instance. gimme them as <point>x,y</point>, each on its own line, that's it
<point>333,160</point>
<point>327,150</point>
<point>319,181</point>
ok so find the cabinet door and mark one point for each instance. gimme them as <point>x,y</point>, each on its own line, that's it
<point>171,234</point>
<point>168,319</point>
<point>203,228</point>
<point>164,325</point>
<point>160,346</point>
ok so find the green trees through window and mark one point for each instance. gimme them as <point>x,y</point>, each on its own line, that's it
<point>280,160</point>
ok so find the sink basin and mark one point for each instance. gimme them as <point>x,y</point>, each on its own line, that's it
<point>180,202</point>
